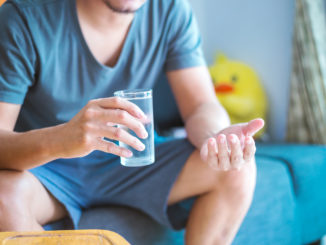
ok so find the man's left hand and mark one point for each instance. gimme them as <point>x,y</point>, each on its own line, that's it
<point>232,147</point>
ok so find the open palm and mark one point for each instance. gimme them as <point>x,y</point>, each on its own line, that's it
<point>232,147</point>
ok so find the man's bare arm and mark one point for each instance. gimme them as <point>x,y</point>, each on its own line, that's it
<point>207,123</point>
<point>201,111</point>
<point>21,151</point>
<point>77,138</point>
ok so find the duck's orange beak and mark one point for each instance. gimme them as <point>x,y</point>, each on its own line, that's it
<point>224,88</point>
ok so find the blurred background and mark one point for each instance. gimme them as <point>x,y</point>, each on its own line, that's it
<point>285,43</point>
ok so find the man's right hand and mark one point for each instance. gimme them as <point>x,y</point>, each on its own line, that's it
<point>86,131</point>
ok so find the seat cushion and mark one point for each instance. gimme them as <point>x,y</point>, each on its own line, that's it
<point>307,166</point>
<point>272,217</point>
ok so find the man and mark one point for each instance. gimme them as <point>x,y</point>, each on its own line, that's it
<point>61,60</point>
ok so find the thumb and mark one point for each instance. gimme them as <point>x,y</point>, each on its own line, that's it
<point>252,127</point>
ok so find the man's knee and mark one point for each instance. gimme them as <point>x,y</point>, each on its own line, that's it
<point>14,192</point>
<point>238,185</point>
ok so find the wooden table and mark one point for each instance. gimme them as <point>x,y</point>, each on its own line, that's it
<point>78,237</point>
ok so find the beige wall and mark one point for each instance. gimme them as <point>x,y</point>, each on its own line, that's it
<point>259,33</point>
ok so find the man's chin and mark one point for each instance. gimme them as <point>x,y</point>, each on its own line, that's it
<point>126,7</point>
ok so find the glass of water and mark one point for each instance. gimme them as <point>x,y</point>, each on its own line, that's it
<point>143,99</point>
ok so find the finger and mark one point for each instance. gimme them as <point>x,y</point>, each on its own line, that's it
<point>249,149</point>
<point>112,148</point>
<point>204,152</point>
<point>252,127</point>
<point>121,117</point>
<point>122,104</point>
<point>236,152</point>
<point>119,134</point>
<point>223,153</point>
<point>212,154</point>
<point>111,124</point>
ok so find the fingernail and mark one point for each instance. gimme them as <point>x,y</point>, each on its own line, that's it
<point>144,135</point>
<point>140,115</point>
<point>233,140</point>
<point>222,139</point>
<point>249,141</point>
<point>127,153</point>
<point>144,117</point>
<point>141,147</point>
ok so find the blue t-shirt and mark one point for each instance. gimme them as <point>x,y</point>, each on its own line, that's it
<point>46,65</point>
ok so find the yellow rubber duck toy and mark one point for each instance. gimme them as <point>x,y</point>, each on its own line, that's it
<point>239,90</point>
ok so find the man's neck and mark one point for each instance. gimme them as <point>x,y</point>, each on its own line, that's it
<point>101,17</point>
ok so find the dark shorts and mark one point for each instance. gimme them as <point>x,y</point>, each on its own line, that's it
<point>99,179</point>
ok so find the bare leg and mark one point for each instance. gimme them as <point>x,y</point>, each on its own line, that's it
<point>25,205</point>
<point>223,200</point>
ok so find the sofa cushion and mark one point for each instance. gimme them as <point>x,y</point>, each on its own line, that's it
<point>272,217</point>
<point>307,166</point>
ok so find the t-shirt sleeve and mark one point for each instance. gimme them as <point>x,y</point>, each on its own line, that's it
<point>17,56</point>
<point>184,40</point>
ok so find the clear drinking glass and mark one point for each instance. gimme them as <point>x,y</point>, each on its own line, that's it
<point>143,99</point>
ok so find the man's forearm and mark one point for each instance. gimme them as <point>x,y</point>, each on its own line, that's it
<point>21,151</point>
<point>207,120</point>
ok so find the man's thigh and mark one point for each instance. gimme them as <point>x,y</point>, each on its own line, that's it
<point>196,178</point>
<point>24,188</point>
